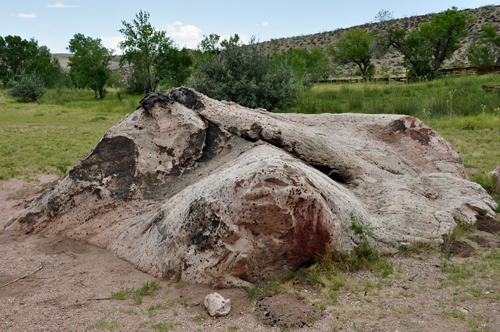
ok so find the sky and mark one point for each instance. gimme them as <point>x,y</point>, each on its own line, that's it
<point>54,23</point>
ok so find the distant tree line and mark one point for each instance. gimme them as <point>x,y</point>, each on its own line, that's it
<point>234,71</point>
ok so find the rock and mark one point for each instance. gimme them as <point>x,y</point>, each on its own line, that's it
<point>216,305</point>
<point>496,172</point>
<point>210,192</point>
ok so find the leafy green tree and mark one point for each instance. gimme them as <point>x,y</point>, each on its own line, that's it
<point>141,49</point>
<point>245,74</point>
<point>20,55</point>
<point>480,55</point>
<point>314,64</point>
<point>490,36</point>
<point>356,46</point>
<point>426,49</point>
<point>173,66</point>
<point>90,63</point>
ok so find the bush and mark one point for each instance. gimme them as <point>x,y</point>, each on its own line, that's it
<point>247,75</point>
<point>27,87</point>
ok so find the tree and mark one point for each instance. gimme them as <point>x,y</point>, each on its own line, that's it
<point>90,63</point>
<point>489,36</point>
<point>356,46</point>
<point>480,55</point>
<point>20,55</point>
<point>384,16</point>
<point>426,49</point>
<point>314,64</point>
<point>173,66</point>
<point>245,74</point>
<point>141,48</point>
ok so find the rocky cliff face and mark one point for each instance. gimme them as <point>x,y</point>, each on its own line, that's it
<point>210,192</point>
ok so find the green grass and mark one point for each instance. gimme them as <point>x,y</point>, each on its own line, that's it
<point>148,289</point>
<point>101,324</point>
<point>450,96</point>
<point>164,327</point>
<point>52,135</point>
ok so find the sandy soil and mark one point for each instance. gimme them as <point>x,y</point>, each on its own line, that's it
<point>72,292</point>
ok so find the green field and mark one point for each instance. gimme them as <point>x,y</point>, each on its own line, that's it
<point>53,134</point>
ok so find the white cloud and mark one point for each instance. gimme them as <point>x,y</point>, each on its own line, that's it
<point>265,24</point>
<point>112,42</point>
<point>32,15</point>
<point>45,25</point>
<point>184,35</point>
<point>61,5</point>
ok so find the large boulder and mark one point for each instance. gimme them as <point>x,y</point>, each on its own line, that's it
<point>210,192</point>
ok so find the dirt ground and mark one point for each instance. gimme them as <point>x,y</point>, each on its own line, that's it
<point>71,292</point>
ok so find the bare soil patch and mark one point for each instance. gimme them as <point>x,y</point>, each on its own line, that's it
<point>287,311</point>
<point>457,248</point>
<point>485,241</point>
<point>487,224</point>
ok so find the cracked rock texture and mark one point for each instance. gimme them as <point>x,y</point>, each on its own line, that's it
<point>210,192</point>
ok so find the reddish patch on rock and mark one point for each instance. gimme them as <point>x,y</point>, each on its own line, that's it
<point>310,235</point>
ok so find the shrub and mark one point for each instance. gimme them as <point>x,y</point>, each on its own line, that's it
<point>247,75</point>
<point>27,87</point>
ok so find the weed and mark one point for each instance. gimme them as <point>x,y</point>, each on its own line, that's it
<point>253,294</point>
<point>401,309</point>
<point>122,295</point>
<point>175,313</point>
<point>148,289</point>
<point>101,324</point>
<point>232,328</point>
<point>163,327</point>
<point>200,317</point>
<point>129,311</point>
<point>152,308</point>
<point>418,248</point>
<point>137,300</point>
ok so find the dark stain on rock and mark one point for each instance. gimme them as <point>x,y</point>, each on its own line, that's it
<point>154,98</point>
<point>398,129</point>
<point>204,227</point>
<point>113,157</point>
<point>194,149</point>
<point>155,221</point>
<point>215,141</point>
<point>97,192</point>
<point>186,97</point>
<point>341,176</point>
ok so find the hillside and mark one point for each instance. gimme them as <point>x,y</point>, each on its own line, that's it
<point>485,15</point>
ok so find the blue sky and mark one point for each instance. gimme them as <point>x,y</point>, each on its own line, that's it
<point>54,23</point>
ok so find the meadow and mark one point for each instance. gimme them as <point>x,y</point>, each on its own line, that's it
<point>53,134</point>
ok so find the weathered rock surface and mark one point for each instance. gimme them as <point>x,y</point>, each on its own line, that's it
<point>216,305</point>
<point>210,192</point>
